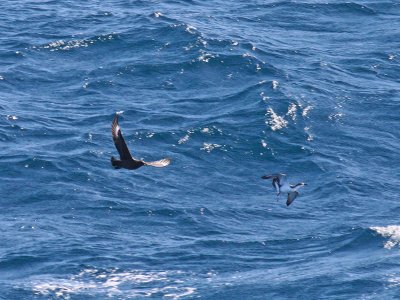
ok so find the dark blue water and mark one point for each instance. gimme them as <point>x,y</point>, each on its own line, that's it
<point>231,91</point>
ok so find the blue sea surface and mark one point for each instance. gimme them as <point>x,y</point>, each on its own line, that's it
<point>230,91</point>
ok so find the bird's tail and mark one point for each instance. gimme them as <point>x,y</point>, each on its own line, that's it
<point>116,163</point>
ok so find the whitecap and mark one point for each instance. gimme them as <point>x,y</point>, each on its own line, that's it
<point>12,117</point>
<point>306,110</point>
<point>61,288</point>
<point>190,29</point>
<point>310,137</point>
<point>113,282</point>
<point>203,42</point>
<point>392,232</point>
<point>335,116</point>
<point>90,138</point>
<point>150,135</point>
<point>275,122</point>
<point>184,139</point>
<point>264,143</point>
<point>292,109</point>
<point>205,57</point>
<point>67,45</point>
<point>394,281</point>
<point>210,147</point>
<point>264,97</point>
<point>274,84</point>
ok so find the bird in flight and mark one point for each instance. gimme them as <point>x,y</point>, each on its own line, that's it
<point>282,186</point>
<point>126,160</point>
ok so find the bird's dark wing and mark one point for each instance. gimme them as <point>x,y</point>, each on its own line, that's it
<point>291,196</point>
<point>280,176</point>
<point>119,140</point>
<point>298,184</point>
<point>159,163</point>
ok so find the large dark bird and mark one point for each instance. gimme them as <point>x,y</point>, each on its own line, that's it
<point>126,160</point>
<point>281,185</point>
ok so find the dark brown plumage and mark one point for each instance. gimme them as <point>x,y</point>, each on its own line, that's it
<point>126,160</point>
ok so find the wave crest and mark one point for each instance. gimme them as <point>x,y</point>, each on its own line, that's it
<point>392,232</point>
<point>114,282</point>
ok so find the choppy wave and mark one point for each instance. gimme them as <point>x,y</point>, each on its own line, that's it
<point>391,232</point>
<point>113,283</point>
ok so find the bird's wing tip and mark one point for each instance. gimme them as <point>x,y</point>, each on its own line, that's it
<point>291,197</point>
<point>159,163</point>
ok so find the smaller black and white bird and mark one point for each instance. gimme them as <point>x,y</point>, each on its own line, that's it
<point>282,186</point>
<point>126,160</point>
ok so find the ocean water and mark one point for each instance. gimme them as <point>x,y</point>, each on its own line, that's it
<point>231,91</point>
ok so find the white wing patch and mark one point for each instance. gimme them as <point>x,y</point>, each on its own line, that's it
<point>116,129</point>
<point>159,163</point>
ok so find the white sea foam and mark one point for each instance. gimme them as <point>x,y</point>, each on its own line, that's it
<point>205,57</point>
<point>264,97</point>
<point>292,109</point>
<point>275,122</point>
<point>210,147</point>
<point>275,84</point>
<point>68,45</point>
<point>335,116</point>
<point>150,135</point>
<point>392,232</point>
<point>184,139</point>
<point>12,117</point>
<point>113,282</point>
<point>264,143</point>
<point>394,281</point>
<point>306,110</point>
<point>190,29</point>
<point>310,137</point>
<point>247,55</point>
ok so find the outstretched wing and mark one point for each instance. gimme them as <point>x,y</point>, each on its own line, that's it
<point>280,176</point>
<point>277,180</point>
<point>159,163</point>
<point>119,140</point>
<point>291,196</point>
